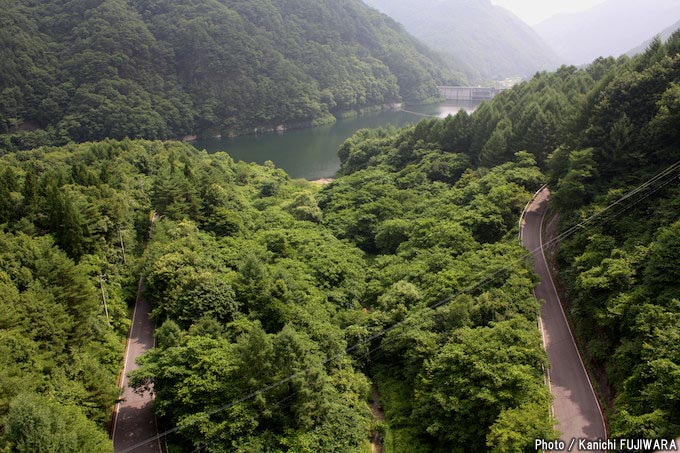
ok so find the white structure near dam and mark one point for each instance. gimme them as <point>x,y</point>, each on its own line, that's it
<point>453,93</point>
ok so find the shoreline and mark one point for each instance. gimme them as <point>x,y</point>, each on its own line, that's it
<point>283,128</point>
<point>322,181</point>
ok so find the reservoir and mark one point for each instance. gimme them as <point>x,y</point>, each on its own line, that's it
<point>312,153</point>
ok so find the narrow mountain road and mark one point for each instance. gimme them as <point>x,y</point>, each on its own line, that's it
<point>133,419</point>
<point>575,405</point>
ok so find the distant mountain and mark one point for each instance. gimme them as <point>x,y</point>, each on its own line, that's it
<point>664,35</point>
<point>488,41</point>
<point>91,69</point>
<point>611,28</point>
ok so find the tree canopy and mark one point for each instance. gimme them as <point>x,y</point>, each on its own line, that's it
<point>282,306</point>
<point>77,70</point>
<point>621,274</point>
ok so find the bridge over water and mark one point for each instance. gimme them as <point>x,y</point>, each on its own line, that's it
<point>455,93</point>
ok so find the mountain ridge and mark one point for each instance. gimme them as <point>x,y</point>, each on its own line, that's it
<point>489,41</point>
<point>663,36</point>
<point>88,70</point>
<point>611,28</point>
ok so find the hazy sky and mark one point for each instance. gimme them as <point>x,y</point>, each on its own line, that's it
<point>534,11</point>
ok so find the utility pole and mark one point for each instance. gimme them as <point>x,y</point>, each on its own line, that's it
<point>122,245</point>
<point>106,309</point>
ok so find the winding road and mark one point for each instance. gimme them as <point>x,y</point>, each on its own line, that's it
<point>133,419</point>
<point>575,405</point>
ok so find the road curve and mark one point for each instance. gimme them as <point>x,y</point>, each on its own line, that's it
<point>133,418</point>
<point>575,405</point>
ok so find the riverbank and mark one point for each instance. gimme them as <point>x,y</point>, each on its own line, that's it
<point>312,153</point>
<point>281,128</point>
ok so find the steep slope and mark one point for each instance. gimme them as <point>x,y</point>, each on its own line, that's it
<point>603,131</point>
<point>488,41</point>
<point>259,281</point>
<point>87,70</point>
<point>621,274</point>
<point>663,36</point>
<point>609,29</point>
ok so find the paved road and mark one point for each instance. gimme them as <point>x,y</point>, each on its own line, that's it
<point>133,419</point>
<point>575,405</point>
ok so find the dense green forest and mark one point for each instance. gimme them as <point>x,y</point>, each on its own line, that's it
<point>265,278</point>
<point>88,70</point>
<point>63,216</point>
<point>622,274</point>
<point>600,132</point>
<point>466,375</point>
<point>256,277</point>
<point>378,279</point>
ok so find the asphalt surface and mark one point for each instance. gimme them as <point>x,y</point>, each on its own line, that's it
<point>133,419</point>
<point>575,406</point>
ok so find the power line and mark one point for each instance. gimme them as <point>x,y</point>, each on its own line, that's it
<point>106,308</point>
<point>277,404</point>
<point>295,392</point>
<point>489,277</point>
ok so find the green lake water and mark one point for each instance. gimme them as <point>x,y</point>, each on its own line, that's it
<point>312,153</point>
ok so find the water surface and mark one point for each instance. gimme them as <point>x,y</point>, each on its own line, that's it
<point>312,153</point>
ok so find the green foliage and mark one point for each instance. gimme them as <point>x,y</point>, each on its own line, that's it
<point>516,429</point>
<point>536,116</point>
<point>168,335</point>
<point>254,278</point>
<point>621,273</point>
<point>600,130</point>
<point>258,280</point>
<point>55,339</point>
<point>663,268</point>
<point>495,149</point>
<point>481,375</point>
<point>571,189</point>
<point>76,71</point>
<point>35,424</point>
<point>432,237</point>
<point>326,409</point>
<point>60,248</point>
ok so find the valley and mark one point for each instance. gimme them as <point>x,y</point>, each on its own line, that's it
<point>350,280</point>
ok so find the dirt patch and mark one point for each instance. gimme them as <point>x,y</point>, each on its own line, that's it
<point>378,415</point>
<point>322,181</point>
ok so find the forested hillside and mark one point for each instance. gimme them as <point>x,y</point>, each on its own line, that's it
<point>64,214</point>
<point>255,278</point>
<point>87,70</point>
<point>600,131</point>
<point>404,273</point>
<point>486,41</point>
<point>534,116</point>
<point>466,373</point>
<point>622,276</point>
<point>278,280</point>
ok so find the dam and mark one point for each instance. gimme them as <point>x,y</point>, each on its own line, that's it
<point>457,93</point>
